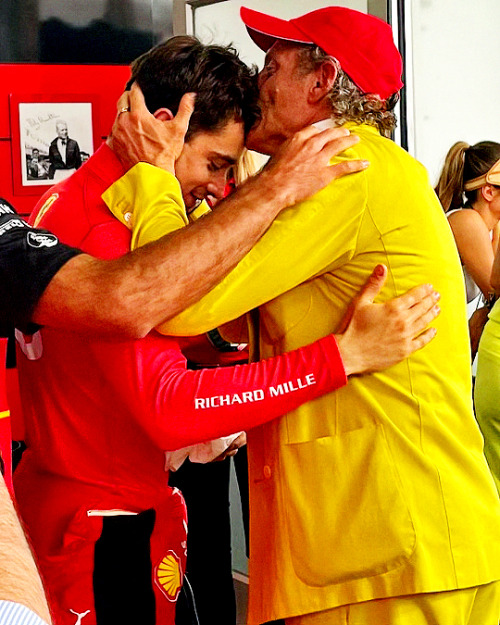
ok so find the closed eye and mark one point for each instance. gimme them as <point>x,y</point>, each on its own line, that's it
<point>214,167</point>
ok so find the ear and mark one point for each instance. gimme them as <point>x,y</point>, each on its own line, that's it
<point>488,192</point>
<point>324,78</point>
<point>164,115</point>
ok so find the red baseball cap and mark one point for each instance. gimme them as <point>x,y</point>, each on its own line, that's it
<point>363,44</point>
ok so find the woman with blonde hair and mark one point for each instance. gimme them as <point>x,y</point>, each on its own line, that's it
<point>471,199</point>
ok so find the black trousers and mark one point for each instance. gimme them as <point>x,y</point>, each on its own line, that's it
<point>123,590</point>
<point>209,567</point>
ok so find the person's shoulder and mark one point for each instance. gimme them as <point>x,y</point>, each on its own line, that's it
<point>465,217</point>
<point>64,208</point>
<point>467,224</point>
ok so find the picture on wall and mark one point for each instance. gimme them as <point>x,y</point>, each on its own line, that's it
<point>52,138</point>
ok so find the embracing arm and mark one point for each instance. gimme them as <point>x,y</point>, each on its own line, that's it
<point>188,407</point>
<point>131,295</point>
<point>135,293</point>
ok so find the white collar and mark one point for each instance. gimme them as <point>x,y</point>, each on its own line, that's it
<point>323,124</point>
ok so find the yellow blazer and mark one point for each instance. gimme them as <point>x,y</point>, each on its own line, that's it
<point>381,488</point>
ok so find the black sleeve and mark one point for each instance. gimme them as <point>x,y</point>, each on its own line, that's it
<point>29,259</point>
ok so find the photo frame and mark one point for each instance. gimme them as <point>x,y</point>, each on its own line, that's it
<point>52,136</point>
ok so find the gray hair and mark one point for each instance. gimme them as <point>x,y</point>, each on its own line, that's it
<point>348,103</point>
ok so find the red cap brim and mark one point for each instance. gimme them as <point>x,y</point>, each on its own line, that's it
<point>265,29</point>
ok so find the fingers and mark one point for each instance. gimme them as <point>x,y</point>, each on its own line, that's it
<point>123,101</point>
<point>422,321</point>
<point>426,306</point>
<point>423,339</point>
<point>414,311</point>
<point>336,145</point>
<point>419,302</point>
<point>347,167</point>
<point>331,141</point>
<point>136,100</point>
<point>374,284</point>
<point>186,108</point>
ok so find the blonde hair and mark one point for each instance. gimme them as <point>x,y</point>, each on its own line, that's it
<point>246,167</point>
<point>450,186</point>
<point>464,162</point>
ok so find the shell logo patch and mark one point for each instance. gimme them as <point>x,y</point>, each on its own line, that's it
<point>168,576</point>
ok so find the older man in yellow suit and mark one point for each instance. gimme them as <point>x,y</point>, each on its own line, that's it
<point>373,505</point>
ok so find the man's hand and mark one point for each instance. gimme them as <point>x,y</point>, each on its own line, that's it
<point>232,450</point>
<point>138,136</point>
<point>376,336</point>
<point>300,167</point>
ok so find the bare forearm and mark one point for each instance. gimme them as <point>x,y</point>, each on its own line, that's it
<point>129,296</point>
<point>132,295</point>
<point>19,578</point>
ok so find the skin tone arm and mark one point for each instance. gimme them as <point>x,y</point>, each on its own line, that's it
<point>129,296</point>
<point>397,324</point>
<point>372,337</point>
<point>477,252</point>
<point>19,578</point>
<point>474,246</point>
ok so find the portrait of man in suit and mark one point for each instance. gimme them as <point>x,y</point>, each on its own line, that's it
<point>37,166</point>
<point>64,153</point>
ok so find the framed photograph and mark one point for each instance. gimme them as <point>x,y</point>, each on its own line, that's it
<point>52,136</point>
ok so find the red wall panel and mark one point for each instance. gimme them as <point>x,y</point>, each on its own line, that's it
<point>107,81</point>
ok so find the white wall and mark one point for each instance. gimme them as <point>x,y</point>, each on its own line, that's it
<point>454,48</point>
<point>456,54</point>
<point>221,23</point>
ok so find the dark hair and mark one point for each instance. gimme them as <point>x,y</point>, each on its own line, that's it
<point>464,162</point>
<point>347,101</point>
<point>226,88</point>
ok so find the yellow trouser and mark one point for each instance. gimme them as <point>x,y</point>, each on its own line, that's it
<point>472,606</point>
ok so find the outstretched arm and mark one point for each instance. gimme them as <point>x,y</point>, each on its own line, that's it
<point>187,407</point>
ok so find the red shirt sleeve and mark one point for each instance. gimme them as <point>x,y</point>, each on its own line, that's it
<point>185,407</point>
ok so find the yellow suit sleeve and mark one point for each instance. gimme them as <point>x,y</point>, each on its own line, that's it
<point>148,200</point>
<point>303,241</point>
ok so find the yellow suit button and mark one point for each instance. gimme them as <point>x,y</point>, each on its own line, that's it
<point>267,471</point>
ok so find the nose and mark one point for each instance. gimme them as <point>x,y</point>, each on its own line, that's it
<point>217,185</point>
